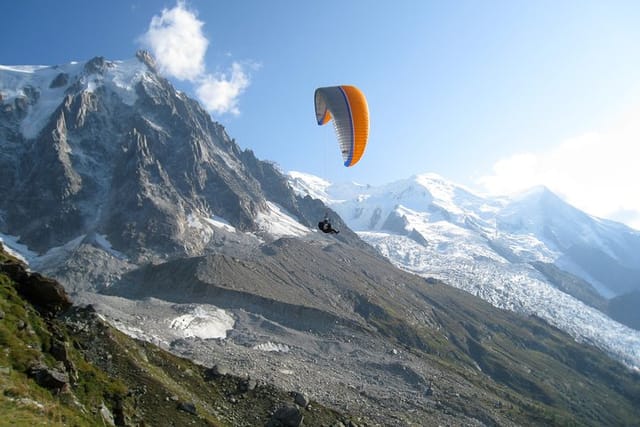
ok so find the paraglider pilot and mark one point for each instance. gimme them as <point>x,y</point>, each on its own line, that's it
<point>325,226</point>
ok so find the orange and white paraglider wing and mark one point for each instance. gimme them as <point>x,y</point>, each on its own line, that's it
<point>347,106</point>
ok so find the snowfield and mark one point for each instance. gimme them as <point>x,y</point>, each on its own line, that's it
<point>161,322</point>
<point>203,322</point>
<point>279,223</point>
<point>17,82</point>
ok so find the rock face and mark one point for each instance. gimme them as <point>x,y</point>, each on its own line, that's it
<point>301,400</point>
<point>188,407</point>
<point>287,416</point>
<point>49,378</point>
<point>110,148</point>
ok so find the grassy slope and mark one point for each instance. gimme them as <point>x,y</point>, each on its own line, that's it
<point>138,382</point>
<point>543,377</point>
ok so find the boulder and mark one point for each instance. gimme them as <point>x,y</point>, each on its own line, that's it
<point>48,378</point>
<point>428,391</point>
<point>247,385</point>
<point>59,351</point>
<point>300,399</point>
<point>287,416</point>
<point>46,295</point>
<point>106,415</point>
<point>188,407</point>
<point>215,372</point>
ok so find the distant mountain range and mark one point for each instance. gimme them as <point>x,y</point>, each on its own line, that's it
<point>126,191</point>
<point>532,253</point>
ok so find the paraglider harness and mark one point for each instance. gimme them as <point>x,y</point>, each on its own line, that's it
<point>325,226</point>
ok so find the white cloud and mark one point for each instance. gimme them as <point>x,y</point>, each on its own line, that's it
<point>219,93</point>
<point>176,40</point>
<point>597,172</point>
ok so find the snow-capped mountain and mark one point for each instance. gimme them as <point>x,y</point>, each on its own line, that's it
<point>109,153</point>
<point>603,252</point>
<point>126,191</point>
<point>519,254</point>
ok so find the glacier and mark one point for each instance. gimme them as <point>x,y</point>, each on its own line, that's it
<point>483,245</point>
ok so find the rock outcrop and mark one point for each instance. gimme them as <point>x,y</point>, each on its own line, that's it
<point>47,295</point>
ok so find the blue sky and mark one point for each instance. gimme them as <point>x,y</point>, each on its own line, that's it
<point>494,95</point>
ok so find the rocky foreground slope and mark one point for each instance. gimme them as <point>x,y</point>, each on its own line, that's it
<point>63,365</point>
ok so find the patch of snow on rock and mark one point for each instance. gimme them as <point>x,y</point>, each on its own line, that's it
<point>55,254</point>
<point>272,347</point>
<point>105,244</point>
<point>314,186</point>
<point>220,222</point>
<point>279,223</point>
<point>203,322</point>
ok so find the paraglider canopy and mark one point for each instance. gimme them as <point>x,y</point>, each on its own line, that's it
<point>347,106</point>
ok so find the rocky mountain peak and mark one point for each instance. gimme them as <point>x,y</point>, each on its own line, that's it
<point>62,79</point>
<point>110,147</point>
<point>97,65</point>
<point>145,57</point>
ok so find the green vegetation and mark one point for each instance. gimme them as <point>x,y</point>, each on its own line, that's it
<point>23,337</point>
<point>112,378</point>
<point>527,371</point>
